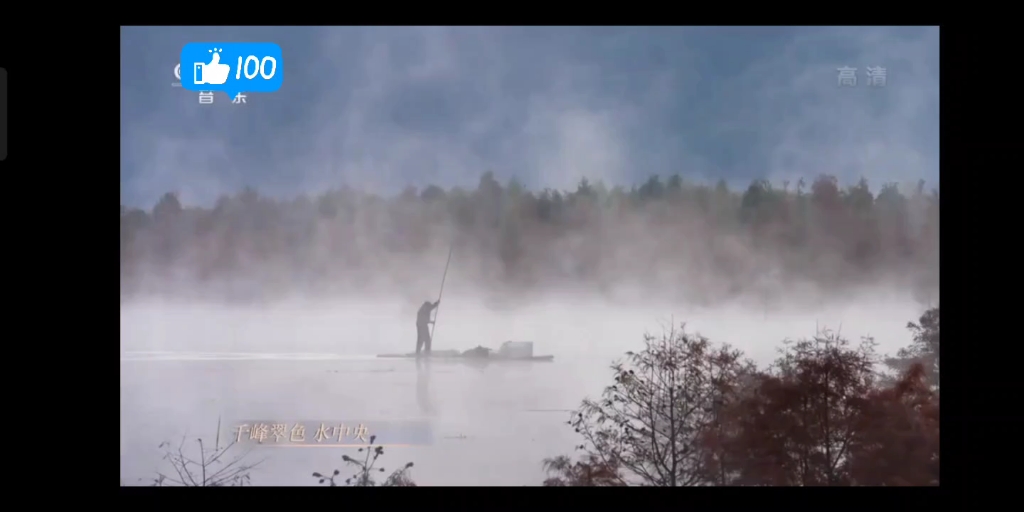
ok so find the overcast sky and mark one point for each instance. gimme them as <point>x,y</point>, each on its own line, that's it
<point>379,108</point>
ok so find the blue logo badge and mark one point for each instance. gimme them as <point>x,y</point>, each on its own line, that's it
<point>232,67</point>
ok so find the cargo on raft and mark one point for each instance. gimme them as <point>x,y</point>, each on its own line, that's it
<point>509,351</point>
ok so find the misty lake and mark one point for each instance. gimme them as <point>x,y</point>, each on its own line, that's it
<point>184,366</point>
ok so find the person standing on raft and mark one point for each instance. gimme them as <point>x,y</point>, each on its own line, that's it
<point>423,322</point>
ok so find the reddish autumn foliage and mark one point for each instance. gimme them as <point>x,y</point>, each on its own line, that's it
<point>684,412</point>
<point>798,425</point>
<point>899,435</point>
<point>591,472</point>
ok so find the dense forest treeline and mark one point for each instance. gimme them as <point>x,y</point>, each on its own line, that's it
<point>666,236</point>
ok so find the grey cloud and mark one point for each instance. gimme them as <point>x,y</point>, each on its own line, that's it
<point>380,108</point>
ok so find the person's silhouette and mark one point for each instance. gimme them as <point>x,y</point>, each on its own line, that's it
<point>423,322</point>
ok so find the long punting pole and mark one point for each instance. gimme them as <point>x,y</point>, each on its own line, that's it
<point>438,310</point>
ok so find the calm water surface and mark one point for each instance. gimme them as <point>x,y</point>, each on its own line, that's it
<point>492,425</point>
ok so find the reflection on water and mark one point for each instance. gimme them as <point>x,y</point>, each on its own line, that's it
<point>423,387</point>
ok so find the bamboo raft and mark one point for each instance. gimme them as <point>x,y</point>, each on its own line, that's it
<point>521,351</point>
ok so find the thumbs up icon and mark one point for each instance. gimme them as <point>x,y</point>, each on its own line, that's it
<point>213,73</point>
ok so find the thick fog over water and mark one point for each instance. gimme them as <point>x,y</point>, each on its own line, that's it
<point>184,366</point>
<point>571,327</point>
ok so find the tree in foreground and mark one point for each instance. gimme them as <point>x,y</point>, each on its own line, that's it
<point>649,427</point>
<point>217,466</point>
<point>899,441</point>
<point>590,472</point>
<point>224,466</point>
<point>684,412</point>
<point>800,422</point>
<point>365,467</point>
<point>924,350</point>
